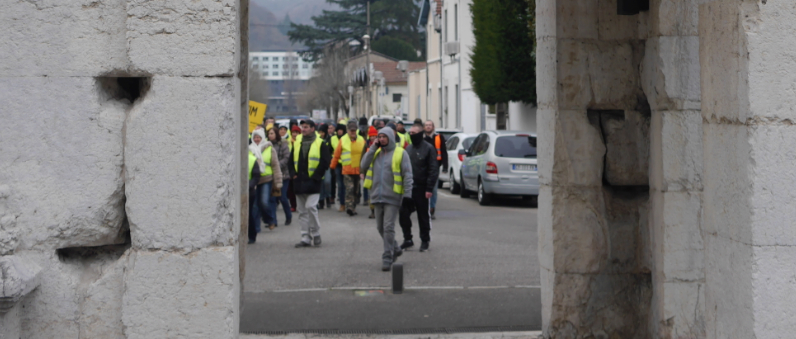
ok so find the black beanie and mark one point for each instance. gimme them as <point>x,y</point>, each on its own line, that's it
<point>363,121</point>
<point>340,127</point>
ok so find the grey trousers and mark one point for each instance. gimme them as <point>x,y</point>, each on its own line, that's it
<point>307,207</point>
<point>386,215</point>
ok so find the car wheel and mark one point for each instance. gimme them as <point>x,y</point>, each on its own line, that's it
<point>455,188</point>
<point>532,200</point>
<point>463,192</point>
<point>483,197</point>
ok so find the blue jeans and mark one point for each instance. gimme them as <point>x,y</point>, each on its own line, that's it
<point>254,216</point>
<point>285,203</point>
<point>264,195</point>
<point>434,197</point>
<point>366,195</point>
<point>326,185</point>
<point>340,185</point>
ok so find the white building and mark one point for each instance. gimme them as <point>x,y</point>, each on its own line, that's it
<point>287,75</point>
<point>450,39</point>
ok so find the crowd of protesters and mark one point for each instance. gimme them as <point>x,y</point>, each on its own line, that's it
<point>307,167</point>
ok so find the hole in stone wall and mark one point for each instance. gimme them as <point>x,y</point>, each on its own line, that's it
<point>121,88</point>
<point>70,254</point>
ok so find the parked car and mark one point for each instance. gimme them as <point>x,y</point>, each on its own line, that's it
<point>456,145</point>
<point>500,163</point>
<point>447,133</point>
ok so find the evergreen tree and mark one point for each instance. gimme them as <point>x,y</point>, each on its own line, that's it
<point>284,26</point>
<point>503,60</point>
<point>396,48</point>
<point>395,18</point>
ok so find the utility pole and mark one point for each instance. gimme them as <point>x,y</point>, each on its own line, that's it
<point>367,62</point>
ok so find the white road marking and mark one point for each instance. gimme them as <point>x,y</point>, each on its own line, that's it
<point>357,288</point>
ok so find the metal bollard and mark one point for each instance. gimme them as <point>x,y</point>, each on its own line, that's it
<point>397,278</point>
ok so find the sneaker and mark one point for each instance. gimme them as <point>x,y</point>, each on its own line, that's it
<point>424,246</point>
<point>251,241</point>
<point>271,227</point>
<point>396,254</point>
<point>351,212</point>
<point>317,240</point>
<point>287,222</point>
<point>342,208</point>
<point>372,214</point>
<point>303,244</point>
<point>407,244</point>
<point>385,267</point>
<point>320,206</point>
<point>432,214</point>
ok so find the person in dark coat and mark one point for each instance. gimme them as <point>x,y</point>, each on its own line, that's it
<point>438,142</point>
<point>425,172</point>
<point>307,181</point>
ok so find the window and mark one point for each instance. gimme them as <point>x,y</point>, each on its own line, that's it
<point>396,97</point>
<point>275,73</point>
<point>274,66</point>
<point>452,143</point>
<point>516,146</point>
<point>480,145</point>
<point>285,66</point>
<point>256,58</point>
<point>265,73</point>
<point>467,142</point>
<point>455,22</point>
<point>295,66</point>
<point>265,58</point>
<point>284,58</point>
<point>255,66</point>
<point>305,66</point>
<point>265,66</point>
<point>284,73</point>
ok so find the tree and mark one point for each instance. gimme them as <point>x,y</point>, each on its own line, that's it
<point>284,26</point>
<point>258,87</point>
<point>328,88</point>
<point>503,65</point>
<point>395,18</point>
<point>396,48</point>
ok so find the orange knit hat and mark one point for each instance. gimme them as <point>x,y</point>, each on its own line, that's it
<point>372,132</point>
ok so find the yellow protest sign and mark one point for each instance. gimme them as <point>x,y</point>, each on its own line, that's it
<point>256,114</point>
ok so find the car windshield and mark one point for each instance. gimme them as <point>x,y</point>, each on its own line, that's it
<point>466,143</point>
<point>516,146</point>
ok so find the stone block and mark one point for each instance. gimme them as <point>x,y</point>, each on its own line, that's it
<point>729,297</point>
<point>545,225</point>
<point>670,73</point>
<point>677,235</point>
<point>627,140</point>
<point>722,70</point>
<point>772,160</point>
<point>181,163</point>
<point>546,74</point>
<point>727,182</point>
<point>207,31</point>
<point>576,19</point>
<point>675,17</point>
<point>768,45</point>
<point>62,38</point>
<point>77,292</point>
<point>573,84</point>
<point>774,291</point>
<point>580,232</point>
<point>577,151</point>
<point>626,216</point>
<point>18,277</point>
<point>546,121</point>
<point>195,293</point>
<point>10,325</point>
<point>676,151</point>
<point>72,194</point>
<point>615,27</point>
<point>683,313</point>
<point>546,19</point>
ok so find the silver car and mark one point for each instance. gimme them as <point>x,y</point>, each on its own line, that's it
<point>500,163</point>
<point>456,145</point>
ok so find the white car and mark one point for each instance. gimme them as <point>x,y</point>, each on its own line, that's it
<point>456,145</point>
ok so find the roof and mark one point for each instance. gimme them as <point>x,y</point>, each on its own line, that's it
<point>391,72</point>
<point>372,53</point>
<point>439,7</point>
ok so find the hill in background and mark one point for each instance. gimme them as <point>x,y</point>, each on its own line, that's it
<point>266,15</point>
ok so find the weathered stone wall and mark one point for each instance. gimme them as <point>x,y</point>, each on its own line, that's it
<point>120,177</point>
<point>713,229</point>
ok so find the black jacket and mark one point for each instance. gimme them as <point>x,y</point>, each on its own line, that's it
<point>425,169</point>
<point>442,147</point>
<point>304,184</point>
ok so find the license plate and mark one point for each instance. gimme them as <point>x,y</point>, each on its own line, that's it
<point>523,167</point>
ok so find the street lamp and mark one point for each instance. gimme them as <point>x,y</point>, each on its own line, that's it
<point>366,39</point>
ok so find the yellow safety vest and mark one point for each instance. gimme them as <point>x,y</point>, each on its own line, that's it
<point>335,140</point>
<point>401,139</point>
<point>345,156</point>
<point>252,161</point>
<point>398,179</point>
<point>267,161</point>
<point>408,139</point>
<point>314,155</point>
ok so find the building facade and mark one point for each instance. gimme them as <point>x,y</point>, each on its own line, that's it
<point>287,75</point>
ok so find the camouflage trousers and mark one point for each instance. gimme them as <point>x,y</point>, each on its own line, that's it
<point>352,188</point>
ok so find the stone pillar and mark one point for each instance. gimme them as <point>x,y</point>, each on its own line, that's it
<point>747,58</point>
<point>120,169</point>
<point>670,78</point>
<point>593,128</point>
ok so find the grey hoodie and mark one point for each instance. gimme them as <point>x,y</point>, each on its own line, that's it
<point>382,192</point>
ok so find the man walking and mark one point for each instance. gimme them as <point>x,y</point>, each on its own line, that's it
<point>389,181</point>
<point>307,165</point>
<point>349,153</point>
<point>425,173</point>
<point>438,141</point>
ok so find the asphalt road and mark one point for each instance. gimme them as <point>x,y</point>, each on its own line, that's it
<point>481,271</point>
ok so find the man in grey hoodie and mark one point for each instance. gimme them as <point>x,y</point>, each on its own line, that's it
<point>382,188</point>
